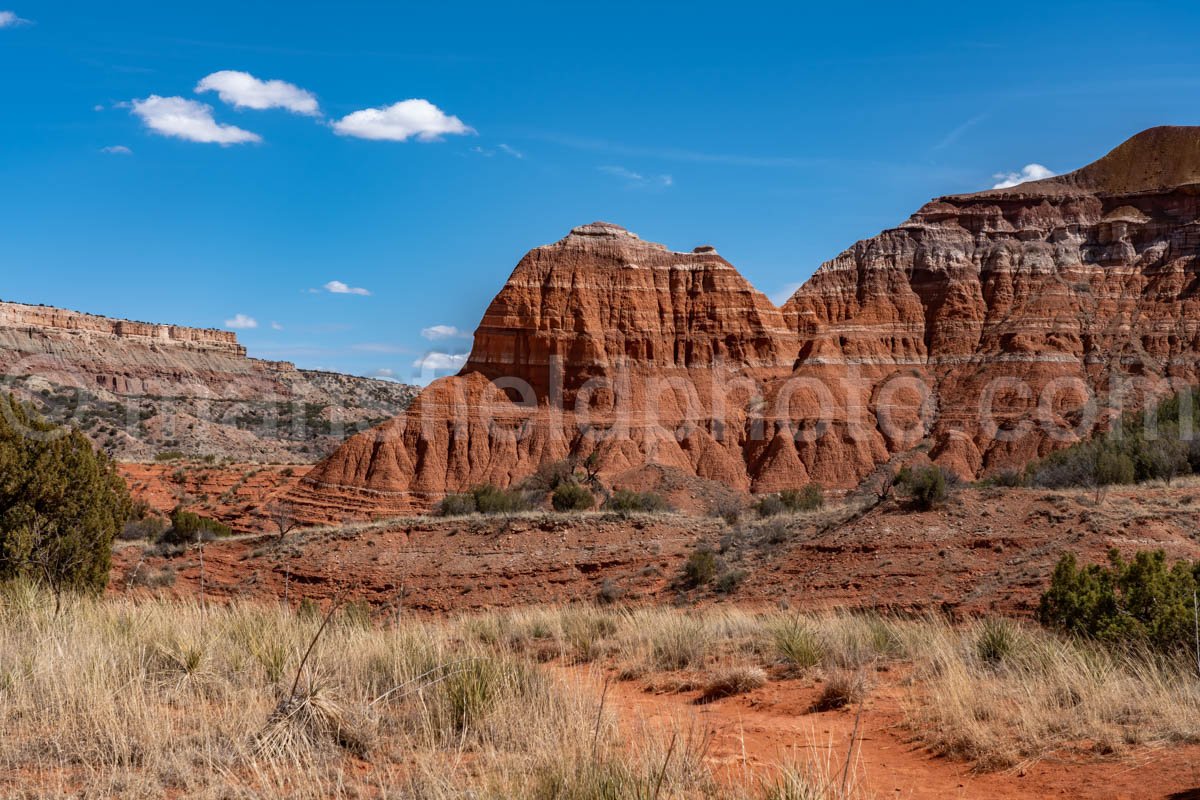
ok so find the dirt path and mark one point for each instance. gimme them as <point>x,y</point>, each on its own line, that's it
<point>752,735</point>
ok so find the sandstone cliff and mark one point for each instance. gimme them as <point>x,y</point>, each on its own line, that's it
<point>139,389</point>
<point>986,330</point>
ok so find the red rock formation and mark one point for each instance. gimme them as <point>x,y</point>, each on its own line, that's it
<point>978,330</point>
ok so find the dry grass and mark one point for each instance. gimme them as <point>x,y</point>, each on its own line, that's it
<point>1036,694</point>
<point>732,681</point>
<point>117,698</point>
<point>145,699</point>
<point>995,692</point>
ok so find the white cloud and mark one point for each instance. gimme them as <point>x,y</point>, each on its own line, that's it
<point>440,362</point>
<point>275,326</point>
<point>187,119</point>
<point>241,322</point>
<point>784,294</point>
<point>437,332</point>
<point>500,148</point>
<point>637,178</point>
<point>243,90</point>
<point>337,287</point>
<point>9,19</point>
<point>117,150</point>
<point>380,347</point>
<point>1030,172</point>
<point>400,122</point>
<point>385,373</point>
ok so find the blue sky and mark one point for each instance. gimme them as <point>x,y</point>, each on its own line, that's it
<point>778,133</point>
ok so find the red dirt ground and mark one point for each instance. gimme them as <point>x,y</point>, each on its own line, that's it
<point>986,550</point>
<point>752,734</point>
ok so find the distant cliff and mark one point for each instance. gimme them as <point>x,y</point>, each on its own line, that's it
<point>141,389</point>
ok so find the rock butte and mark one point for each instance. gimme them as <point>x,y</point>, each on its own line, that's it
<point>970,334</point>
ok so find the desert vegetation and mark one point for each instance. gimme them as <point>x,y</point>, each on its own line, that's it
<point>924,487</point>
<point>258,700</point>
<point>1158,443</point>
<point>61,503</point>
<point>810,498</point>
<point>1144,602</point>
<point>261,701</point>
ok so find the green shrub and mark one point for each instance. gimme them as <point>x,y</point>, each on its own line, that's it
<point>770,506</point>
<point>551,476</point>
<point>700,568</point>
<point>456,505</point>
<point>1140,601</point>
<point>148,528</point>
<point>1141,446</point>
<point>628,502</point>
<point>61,503</point>
<point>728,508</point>
<point>1009,478</point>
<point>187,528</point>
<point>925,487</point>
<point>572,497</point>
<point>798,643</point>
<point>810,498</point>
<point>492,500</point>
<point>728,582</point>
<point>486,499</point>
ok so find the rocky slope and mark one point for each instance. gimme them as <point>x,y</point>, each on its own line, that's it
<point>986,330</point>
<point>141,390</point>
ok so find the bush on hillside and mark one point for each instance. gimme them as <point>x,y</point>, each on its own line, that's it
<point>456,505</point>
<point>572,497</point>
<point>1143,601</point>
<point>61,503</point>
<point>625,501</point>
<point>550,476</point>
<point>486,499</point>
<point>810,498</point>
<point>925,487</point>
<point>189,528</point>
<point>700,568</point>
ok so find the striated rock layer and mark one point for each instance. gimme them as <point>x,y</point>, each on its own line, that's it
<point>987,330</point>
<point>139,389</point>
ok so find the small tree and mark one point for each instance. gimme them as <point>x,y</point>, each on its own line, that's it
<point>61,503</point>
<point>190,528</point>
<point>283,516</point>
<point>1112,467</point>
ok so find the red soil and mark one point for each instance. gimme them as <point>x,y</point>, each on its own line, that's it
<point>751,735</point>
<point>236,494</point>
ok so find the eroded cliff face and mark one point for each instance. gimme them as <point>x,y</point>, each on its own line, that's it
<point>987,330</point>
<point>139,389</point>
